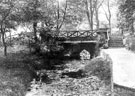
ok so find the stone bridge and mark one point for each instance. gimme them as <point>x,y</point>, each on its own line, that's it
<point>76,47</point>
<point>84,39</point>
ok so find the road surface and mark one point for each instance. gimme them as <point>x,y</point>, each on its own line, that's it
<point>123,64</point>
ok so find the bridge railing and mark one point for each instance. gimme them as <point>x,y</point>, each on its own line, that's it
<point>82,33</point>
<point>86,35</point>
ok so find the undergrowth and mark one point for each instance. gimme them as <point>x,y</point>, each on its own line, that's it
<point>14,75</point>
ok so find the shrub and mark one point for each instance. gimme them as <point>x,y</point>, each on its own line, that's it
<point>129,42</point>
<point>15,75</point>
<point>98,67</point>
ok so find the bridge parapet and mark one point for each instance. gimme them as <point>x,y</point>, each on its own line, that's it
<point>84,35</point>
<point>99,37</point>
<point>78,35</point>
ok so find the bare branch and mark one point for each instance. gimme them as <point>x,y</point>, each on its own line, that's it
<point>63,15</point>
<point>87,12</point>
<point>105,13</point>
<point>100,4</point>
<point>6,15</point>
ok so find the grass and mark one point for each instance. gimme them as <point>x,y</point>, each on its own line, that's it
<point>14,74</point>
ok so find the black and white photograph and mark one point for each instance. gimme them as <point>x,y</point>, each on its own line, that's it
<point>67,47</point>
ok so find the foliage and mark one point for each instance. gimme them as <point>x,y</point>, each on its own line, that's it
<point>126,10</point>
<point>15,75</point>
<point>50,42</point>
<point>98,67</point>
<point>49,15</point>
<point>129,42</point>
<point>7,10</point>
<point>41,16</point>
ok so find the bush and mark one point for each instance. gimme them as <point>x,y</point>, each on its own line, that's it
<point>129,42</point>
<point>15,75</point>
<point>98,67</point>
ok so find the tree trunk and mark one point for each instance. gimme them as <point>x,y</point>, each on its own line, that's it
<point>29,46</point>
<point>35,32</point>
<point>64,15</point>
<point>97,19</point>
<point>36,47</point>
<point>4,43</point>
<point>58,17</point>
<point>97,6</point>
<point>91,14</point>
<point>0,39</point>
<point>87,13</point>
<point>10,39</point>
<point>110,15</point>
<point>132,26</point>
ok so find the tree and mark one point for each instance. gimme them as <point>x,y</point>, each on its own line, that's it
<point>107,12</point>
<point>59,15</point>
<point>127,9</point>
<point>122,25</point>
<point>92,10</point>
<point>7,10</point>
<point>98,4</point>
<point>32,14</point>
<point>59,24</point>
<point>89,12</point>
<point>75,14</point>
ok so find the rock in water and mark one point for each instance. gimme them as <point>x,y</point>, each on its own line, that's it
<point>85,55</point>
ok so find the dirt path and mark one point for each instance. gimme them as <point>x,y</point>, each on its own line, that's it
<point>123,66</point>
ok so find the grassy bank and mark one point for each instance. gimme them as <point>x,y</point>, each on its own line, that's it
<point>14,74</point>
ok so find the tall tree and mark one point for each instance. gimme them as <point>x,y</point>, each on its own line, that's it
<point>127,9</point>
<point>7,10</point>
<point>60,16</point>
<point>108,13</point>
<point>90,12</point>
<point>98,4</point>
<point>32,14</point>
<point>75,13</point>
